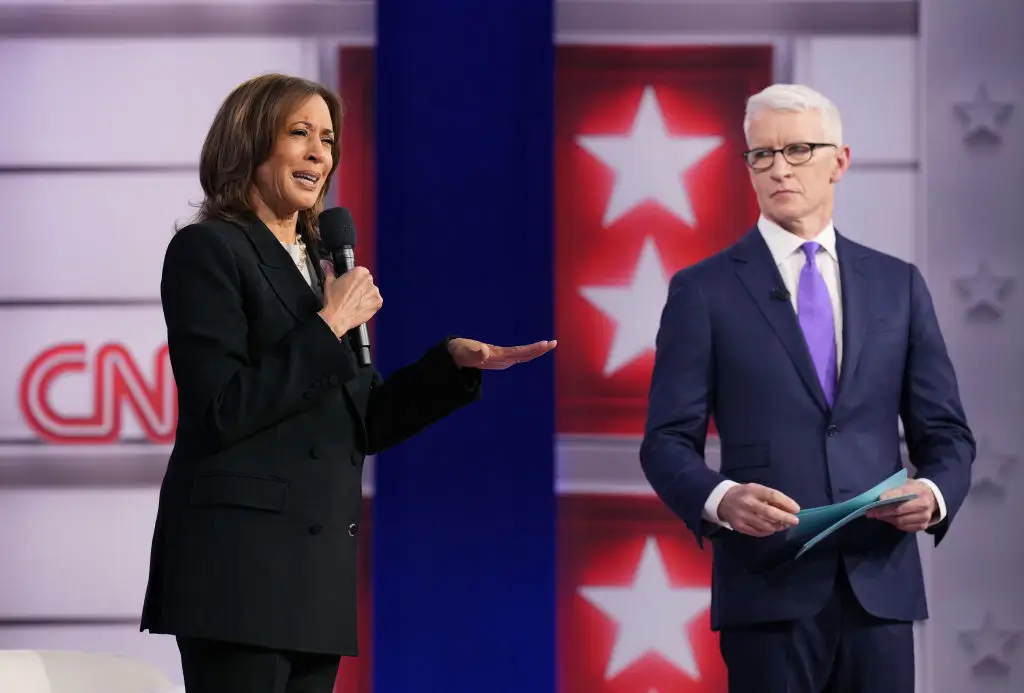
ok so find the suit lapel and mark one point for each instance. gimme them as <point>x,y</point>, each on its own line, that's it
<point>282,275</point>
<point>756,269</point>
<point>351,388</point>
<point>853,285</point>
<point>291,287</point>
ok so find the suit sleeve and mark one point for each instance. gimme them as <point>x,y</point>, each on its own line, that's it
<point>681,392</point>
<point>941,445</point>
<point>417,395</point>
<point>222,391</point>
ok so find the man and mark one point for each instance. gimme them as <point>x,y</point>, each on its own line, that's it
<point>806,349</point>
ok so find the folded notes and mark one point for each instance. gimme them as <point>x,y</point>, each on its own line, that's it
<point>818,523</point>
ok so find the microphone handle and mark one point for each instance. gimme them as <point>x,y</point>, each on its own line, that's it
<point>344,260</point>
<point>363,344</point>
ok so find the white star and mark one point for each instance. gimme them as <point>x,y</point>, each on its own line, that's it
<point>982,116</point>
<point>651,614</point>
<point>989,644</point>
<point>648,162</point>
<point>635,309</point>
<point>984,291</point>
<point>990,468</point>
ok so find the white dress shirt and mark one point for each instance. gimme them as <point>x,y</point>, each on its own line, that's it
<point>789,257</point>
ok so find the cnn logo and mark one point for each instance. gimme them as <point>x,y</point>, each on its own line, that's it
<point>114,380</point>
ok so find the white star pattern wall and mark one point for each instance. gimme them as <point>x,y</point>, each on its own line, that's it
<point>993,471</point>
<point>984,293</point>
<point>974,205</point>
<point>990,648</point>
<point>983,118</point>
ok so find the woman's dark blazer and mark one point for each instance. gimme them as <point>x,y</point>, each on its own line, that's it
<point>255,537</point>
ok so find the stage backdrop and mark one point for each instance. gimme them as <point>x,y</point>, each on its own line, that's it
<point>648,180</point>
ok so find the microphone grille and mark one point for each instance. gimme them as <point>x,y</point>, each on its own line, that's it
<point>337,229</point>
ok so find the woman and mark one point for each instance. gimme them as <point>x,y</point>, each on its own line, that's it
<point>253,563</point>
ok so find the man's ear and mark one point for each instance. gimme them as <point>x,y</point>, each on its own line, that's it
<point>841,164</point>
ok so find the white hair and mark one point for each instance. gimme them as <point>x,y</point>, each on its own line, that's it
<point>795,97</point>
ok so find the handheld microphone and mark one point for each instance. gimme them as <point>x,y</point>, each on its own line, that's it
<point>338,231</point>
<point>780,294</point>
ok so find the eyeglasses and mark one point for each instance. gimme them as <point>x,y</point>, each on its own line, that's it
<point>795,154</point>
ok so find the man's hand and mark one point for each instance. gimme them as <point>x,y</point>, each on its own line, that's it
<point>912,516</point>
<point>469,353</point>
<point>757,510</point>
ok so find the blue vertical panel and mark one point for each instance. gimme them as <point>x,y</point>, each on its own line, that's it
<point>464,514</point>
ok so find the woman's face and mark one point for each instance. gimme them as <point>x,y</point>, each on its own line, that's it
<point>293,175</point>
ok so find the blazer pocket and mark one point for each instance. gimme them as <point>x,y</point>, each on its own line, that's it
<point>240,490</point>
<point>744,456</point>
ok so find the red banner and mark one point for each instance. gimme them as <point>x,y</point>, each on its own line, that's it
<point>649,180</point>
<point>634,600</point>
<point>355,175</point>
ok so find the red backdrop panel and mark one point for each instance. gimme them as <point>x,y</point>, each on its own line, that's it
<point>698,92</point>
<point>633,600</point>
<point>355,190</point>
<point>355,176</point>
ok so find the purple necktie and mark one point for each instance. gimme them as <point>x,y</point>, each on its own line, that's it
<point>814,309</point>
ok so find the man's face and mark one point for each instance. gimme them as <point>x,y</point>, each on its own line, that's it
<point>788,193</point>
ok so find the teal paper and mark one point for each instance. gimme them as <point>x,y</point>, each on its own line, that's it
<point>859,512</point>
<point>818,523</point>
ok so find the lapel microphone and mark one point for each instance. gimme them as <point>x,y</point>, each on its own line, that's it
<point>780,294</point>
<point>338,231</point>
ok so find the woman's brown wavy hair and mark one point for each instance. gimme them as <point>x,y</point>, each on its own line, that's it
<point>242,137</point>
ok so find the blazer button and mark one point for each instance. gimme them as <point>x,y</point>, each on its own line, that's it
<point>314,453</point>
<point>831,431</point>
<point>333,380</point>
<point>353,529</point>
<point>315,529</point>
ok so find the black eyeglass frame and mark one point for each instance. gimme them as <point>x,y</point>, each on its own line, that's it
<point>771,162</point>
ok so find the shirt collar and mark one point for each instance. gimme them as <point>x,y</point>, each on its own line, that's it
<point>781,243</point>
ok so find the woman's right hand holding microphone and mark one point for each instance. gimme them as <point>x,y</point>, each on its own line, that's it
<point>349,300</point>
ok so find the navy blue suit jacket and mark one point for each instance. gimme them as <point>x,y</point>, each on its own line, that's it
<point>730,349</point>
